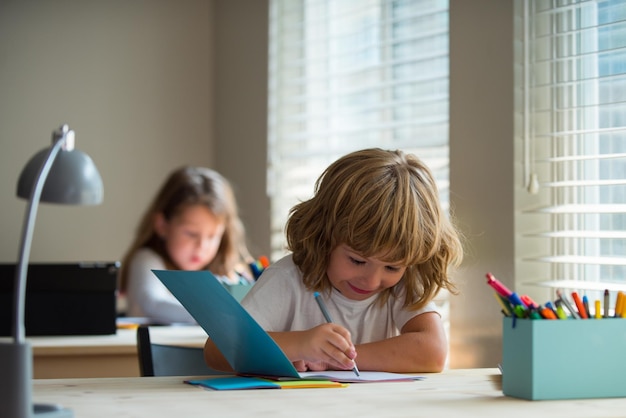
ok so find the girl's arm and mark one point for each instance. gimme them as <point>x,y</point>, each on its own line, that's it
<point>421,347</point>
<point>147,296</point>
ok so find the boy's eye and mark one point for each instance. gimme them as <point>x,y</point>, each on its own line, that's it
<point>357,262</point>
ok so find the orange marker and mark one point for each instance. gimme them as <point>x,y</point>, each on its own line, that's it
<point>547,313</point>
<point>580,306</point>
<point>619,305</point>
<point>265,262</point>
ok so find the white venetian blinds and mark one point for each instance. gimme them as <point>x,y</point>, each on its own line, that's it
<point>572,119</point>
<point>351,74</point>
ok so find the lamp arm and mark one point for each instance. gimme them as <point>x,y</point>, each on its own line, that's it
<point>19,297</point>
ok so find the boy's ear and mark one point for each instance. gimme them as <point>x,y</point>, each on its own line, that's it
<point>160,224</point>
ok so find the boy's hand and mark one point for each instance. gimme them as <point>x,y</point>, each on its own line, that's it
<point>303,366</point>
<point>327,346</point>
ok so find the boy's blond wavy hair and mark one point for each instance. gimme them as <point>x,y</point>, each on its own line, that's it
<point>380,203</point>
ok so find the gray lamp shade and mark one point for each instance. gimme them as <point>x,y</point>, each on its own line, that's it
<point>73,179</point>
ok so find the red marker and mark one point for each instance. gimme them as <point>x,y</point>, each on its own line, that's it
<point>498,286</point>
<point>529,302</point>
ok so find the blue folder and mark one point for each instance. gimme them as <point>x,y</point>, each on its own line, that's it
<point>246,346</point>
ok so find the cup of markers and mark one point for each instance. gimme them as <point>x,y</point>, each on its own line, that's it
<point>258,266</point>
<point>530,363</point>
<point>514,305</point>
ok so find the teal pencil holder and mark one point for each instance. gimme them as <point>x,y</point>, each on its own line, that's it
<point>564,359</point>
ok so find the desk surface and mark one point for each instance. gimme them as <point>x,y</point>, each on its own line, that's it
<point>468,393</point>
<point>123,342</point>
<point>103,355</point>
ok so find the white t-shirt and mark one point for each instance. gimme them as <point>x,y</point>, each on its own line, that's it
<point>279,301</point>
<point>145,294</point>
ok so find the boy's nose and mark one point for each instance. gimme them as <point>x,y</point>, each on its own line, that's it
<point>370,280</point>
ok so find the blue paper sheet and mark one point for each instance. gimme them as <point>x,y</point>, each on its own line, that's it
<point>247,347</point>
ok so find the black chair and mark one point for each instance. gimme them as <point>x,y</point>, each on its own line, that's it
<point>169,360</point>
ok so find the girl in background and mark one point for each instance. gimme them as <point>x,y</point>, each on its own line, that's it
<point>192,224</point>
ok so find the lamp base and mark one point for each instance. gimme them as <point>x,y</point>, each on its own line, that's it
<point>16,363</point>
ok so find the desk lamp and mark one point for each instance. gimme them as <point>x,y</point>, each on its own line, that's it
<point>58,174</point>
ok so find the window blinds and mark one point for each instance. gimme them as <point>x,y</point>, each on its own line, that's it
<point>352,74</point>
<point>572,118</point>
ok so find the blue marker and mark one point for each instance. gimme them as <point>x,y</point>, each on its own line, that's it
<point>515,300</point>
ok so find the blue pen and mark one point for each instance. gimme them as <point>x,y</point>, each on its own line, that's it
<point>320,303</point>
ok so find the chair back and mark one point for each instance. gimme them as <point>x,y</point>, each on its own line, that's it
<point>169,360</point>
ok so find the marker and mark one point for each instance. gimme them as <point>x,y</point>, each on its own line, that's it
<point>498,286</point>
<point>549,305</point>
<point>547,313</point>
<point>519,307</point>
<point>619,304</point>
<point>322,306</point>
<point>607,302</point>
<point>265,262</point>
<point>579,304</point>
<point>534,314</point>
<point>516,300</point>
<point>506,306</point>
<point>529,302</point>
<point>567,305</point>
<point>586,305</point>
<point>598,313</point>
<point>258,266</point>
<point>560,312</point>
<point>520,311</point>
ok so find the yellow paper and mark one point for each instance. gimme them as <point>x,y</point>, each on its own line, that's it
<point>307,384</point>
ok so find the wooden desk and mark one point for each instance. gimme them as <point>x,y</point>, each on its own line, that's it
<point>467,393</point>
<point>102,355</point>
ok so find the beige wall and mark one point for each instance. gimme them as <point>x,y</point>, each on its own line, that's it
<point>136,81</point>
<point>481,171</point>
<point>151,84</point>
<point>241,69</point>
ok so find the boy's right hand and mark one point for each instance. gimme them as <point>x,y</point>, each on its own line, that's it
<point>327,346</point>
